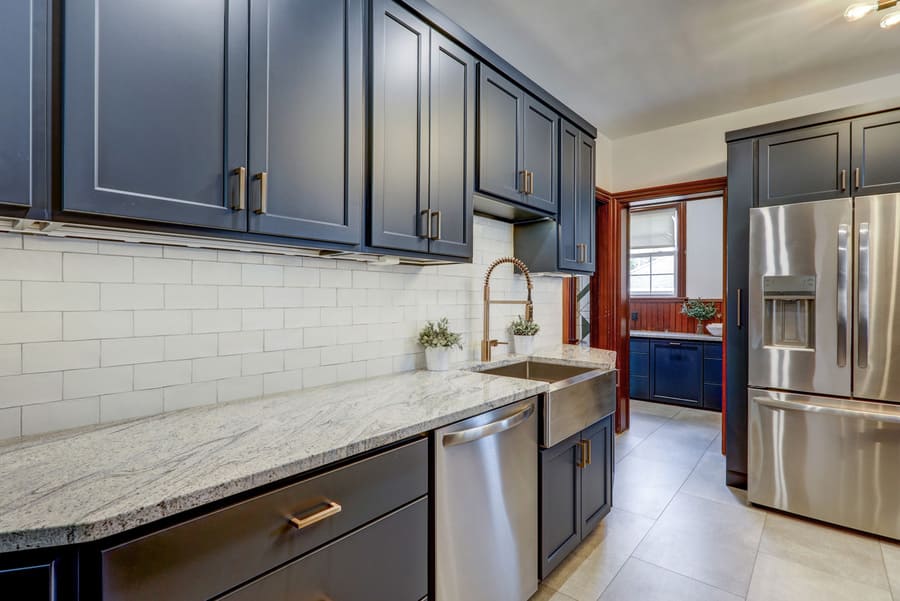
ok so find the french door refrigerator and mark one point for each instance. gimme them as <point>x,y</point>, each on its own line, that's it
<point>824,361</point>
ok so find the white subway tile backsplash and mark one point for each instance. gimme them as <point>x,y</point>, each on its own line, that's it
<point>191,346</point>
<point>115,297</point>
<point>97,268</point>
<point>78,383</point>
<point>129,405</point>
<point>159,323</point>
<point>162,271</point>
<point>49,417</point>
<point>131,351</point>
<point>60,356</point>
<point>10,296</point>
<point>164,373</point>
<point>191,297</point>
<point>96,324</point>
<point>60,296</point>
<point>30,327</point>
<point>189,395</point>
<point>31,265</point>
<point>28,389</point>
<point>179,327</point>
<point>10,360</point>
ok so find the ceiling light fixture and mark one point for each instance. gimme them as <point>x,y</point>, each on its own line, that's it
<point>860,10</point>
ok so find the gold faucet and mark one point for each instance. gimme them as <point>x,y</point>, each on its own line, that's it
<point>486,343</point>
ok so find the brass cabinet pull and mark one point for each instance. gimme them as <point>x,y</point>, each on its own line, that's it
<point>582,253</point>
<point>582,462</point>
<point>437,214</point>
<point>523,182</point>
<point>426,214</point>
<point>590,451</point>
<point>331,509</point>
<point>241,204</point>
<point>530,182</point>
<point>843,179</point>
<point>857,178</point>
<point>263,178</point>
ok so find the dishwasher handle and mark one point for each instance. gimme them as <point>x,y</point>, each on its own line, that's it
<point>479,432</point>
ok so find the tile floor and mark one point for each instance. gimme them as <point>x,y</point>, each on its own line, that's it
<point>677,533</point>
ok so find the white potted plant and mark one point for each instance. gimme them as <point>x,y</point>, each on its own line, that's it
<point>523,331</point>
<point>438,340</point>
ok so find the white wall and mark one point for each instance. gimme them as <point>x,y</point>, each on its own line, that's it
<point>703,277</point>
<point>696,150</point>
<point>604,158</point>
<point>95,331</point>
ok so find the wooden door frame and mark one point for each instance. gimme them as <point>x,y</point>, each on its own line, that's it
<point>609,304</point>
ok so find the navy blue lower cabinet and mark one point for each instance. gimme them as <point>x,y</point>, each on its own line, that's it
<point>712,376</point>
<point>676,372</point>
<point>639,369</point>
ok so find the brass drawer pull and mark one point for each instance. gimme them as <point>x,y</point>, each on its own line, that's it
<point>331,509</point>
<point>241,204</point>
<point>523,182</point>
<point>843,179</point>
<point>584,461</point>
<point>263,179</point>
<point>437,236</point>
<point>590,451</point>
<point>426,218</point>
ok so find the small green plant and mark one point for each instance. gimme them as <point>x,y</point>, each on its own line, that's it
<point>438,335</point>
<point>696,308</point>
<point>524,327</point>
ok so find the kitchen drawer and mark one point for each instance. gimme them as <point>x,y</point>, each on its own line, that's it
<point>639,387</point>
<point>215,552</point>
<point>712,350</point>
<point>639,345</point>
<point>639,364</point>
<point>386,560</point>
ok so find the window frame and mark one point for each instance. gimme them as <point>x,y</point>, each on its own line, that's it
<point>680,250</point>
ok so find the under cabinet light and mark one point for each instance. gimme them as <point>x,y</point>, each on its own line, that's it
<point>891,19</point>
<point>857,11</point>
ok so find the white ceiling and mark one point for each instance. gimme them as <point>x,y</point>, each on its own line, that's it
<point>630,66</point>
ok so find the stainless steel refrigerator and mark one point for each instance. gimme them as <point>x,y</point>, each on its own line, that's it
<point>824,361</point>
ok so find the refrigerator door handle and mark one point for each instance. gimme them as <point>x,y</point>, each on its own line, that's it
<point>863,300</point>
<point>843,262</point>
<point>891,418</point>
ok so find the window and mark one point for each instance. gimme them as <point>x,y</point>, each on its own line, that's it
<point>655,251</point>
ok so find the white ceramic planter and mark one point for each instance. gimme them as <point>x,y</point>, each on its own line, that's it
<point>437,359</point>
<point>523,345</point>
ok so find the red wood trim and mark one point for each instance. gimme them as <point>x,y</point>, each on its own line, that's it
<point>714,184</point>
<point>570,312</point>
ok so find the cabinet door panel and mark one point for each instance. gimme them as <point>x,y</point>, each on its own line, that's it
<point>560,502</point>
<point>400,51</point>
<point>597,476</point>
<point>155,109</point>
<point>540,154</point>
<point>569,213</point>
<point>306,118</point>
<point>24,121</point>
<point>804,165</point>
<point>452,146</point>
<point>500,113</point>
<point>587,203</point>
<point>676,372</point>
<point>876,154</point>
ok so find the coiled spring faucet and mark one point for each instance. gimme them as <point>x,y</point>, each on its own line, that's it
<point>486,343</point>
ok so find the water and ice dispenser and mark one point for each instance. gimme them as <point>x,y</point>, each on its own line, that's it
<point>790,311</point>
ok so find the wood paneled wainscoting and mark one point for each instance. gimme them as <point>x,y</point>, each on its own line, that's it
<point>664,315</point>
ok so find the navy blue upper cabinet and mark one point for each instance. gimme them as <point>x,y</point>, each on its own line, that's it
<point>155,110</point>
<point>401,47</point>
<point>577,208</point>
<point>876,154</point>
<point>307,144</point>
<point>802,165</point>
<point>517,144</point>
<point>677,371</point>
<point>423,144</point>
<point>25,107</point>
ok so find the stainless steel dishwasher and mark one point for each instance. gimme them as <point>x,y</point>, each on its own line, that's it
<point>486,506</point>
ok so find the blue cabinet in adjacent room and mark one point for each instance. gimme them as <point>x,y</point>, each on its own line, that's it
<point>676,371</point>
<point>639,368</point>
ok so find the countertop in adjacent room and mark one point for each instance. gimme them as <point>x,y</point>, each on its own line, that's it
<point>674,335</point>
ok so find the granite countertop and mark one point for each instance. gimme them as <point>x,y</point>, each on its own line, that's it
<point>674,335</point>
<point>87,484</point>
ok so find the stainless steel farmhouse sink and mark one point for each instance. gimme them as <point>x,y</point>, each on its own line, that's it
<point>579,396</point>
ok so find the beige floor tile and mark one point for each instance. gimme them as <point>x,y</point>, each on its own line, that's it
<point>671,447</point>
<point>697,416</point>
<point>645,487</point>
<point>645,424</point>
<point>776,579</point>
<point>625,442</point>
<point>585,576</point>
<point>705,540</point>
<point>653,408</point>
<point>891,554</point>
<point>641,581</point>
<point>545,593</point>
<point>818,546</point>
<point>619,533</point>
<point>708,481</point>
